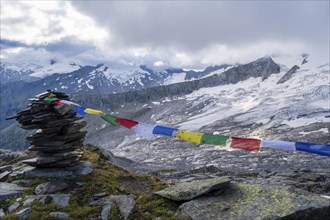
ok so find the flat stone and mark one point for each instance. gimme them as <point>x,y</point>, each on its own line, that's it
<point>28,201</point>
<point>50,187</point>
<point>125,204</point>
<point>190,190</point>
<point>59,215</point>
<point>4,174</point>
<point>8,190</point>
<point>70,129</point>
<point>83,168</point>
<point>23,213</point>
<point>248,201</point>
<point>62,109</point>
<point>106,211</point>
<point>2,214</point>
<point>50,172</point>
<point>13,207</point>
<point>61,199</point>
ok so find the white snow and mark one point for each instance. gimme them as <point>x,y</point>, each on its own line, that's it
<point>176,78</point>
<point>55,68</point>
<point>265,102</point>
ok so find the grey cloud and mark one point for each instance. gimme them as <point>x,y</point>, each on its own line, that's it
<point>193,25</point>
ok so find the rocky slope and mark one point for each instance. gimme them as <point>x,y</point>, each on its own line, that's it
<point>109,192</point>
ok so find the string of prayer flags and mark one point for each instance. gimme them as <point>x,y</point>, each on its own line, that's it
<point>127,123</point>
<point>147,131</point>
<point>144,130</point>
<point>214,139</point>
<point>110,119</point>
<point>190,136</point>
<point>249,144</point>
<point>279,145</point>
<point>164,130</point>
<point>321,149</point>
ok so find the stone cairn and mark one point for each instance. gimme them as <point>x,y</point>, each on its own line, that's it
<point>58,134</point>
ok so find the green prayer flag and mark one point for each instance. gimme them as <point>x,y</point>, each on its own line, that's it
<point>214,139</point>
<point>110,119</point>
<point>50,100</point>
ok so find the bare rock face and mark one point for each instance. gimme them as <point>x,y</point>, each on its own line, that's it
<point>248,201</point>
<point>288,74</point>
<point>190,190</point>
<point>58,133</point>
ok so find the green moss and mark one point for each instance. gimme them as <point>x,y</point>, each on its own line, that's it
<point>106,178</point>
<point>166,171</point>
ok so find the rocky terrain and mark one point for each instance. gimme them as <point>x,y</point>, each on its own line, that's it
<point>106,191</point>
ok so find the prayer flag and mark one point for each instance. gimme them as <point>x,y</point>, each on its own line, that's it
<point>94,111</point>
<point>249,144</point>
<point>110,119</point>
<point>164,130</point>
<point>49,100</point>
<point>126,122</point>
<point>80,110</point>
<point>57,103</point>
<point>214,139</point>
<point>193,137</point>
<point>144,130</point>
<point>280,145</point>
<point>69,102</point>
<point>321,149</point>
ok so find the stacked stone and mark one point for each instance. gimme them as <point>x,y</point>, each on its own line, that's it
<point>58,134</point>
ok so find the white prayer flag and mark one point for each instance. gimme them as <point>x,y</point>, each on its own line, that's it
<point>281,145</point>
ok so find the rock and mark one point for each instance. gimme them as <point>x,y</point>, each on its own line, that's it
<point>28,201</point>
<point>2,214</point>
<point>13,207</point>
<point>82,168</point>
<point>106,211</point>
<point>288,74</point>
<point>4,174</point>
<point>59,215</point>
<point>99,195</point>
<point>8,190</point>
<point>190,190</point>
<point>23,213</point>
<point>50,187</point>
<point>125,204</point>
<point>248,201</point>
<point>61,199</point>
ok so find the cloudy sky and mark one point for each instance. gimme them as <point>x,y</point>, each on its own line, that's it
<point>190,34</point>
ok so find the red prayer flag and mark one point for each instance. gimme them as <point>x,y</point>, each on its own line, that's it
<point>126,122</point>
<point>249,144</point>
<point>57,103</point>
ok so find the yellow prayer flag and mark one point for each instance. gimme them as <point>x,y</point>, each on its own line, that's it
<point>193,137</point>
<point>94,112</point>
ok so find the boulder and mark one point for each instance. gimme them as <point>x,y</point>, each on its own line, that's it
<point>190,190</point>
<point>59,215</point>
<point>50,187</point>
<point>247,201</point>
<point>124,203</point>
<point>106,211</point>
<point>2,214</point>
<point>13,207</point>
<point>23,213</point>
<point>8,190</point>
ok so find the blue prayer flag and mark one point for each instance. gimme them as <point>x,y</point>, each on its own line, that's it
<point>164,130</point>
<point>321,149</point>
<point>80,110</point>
